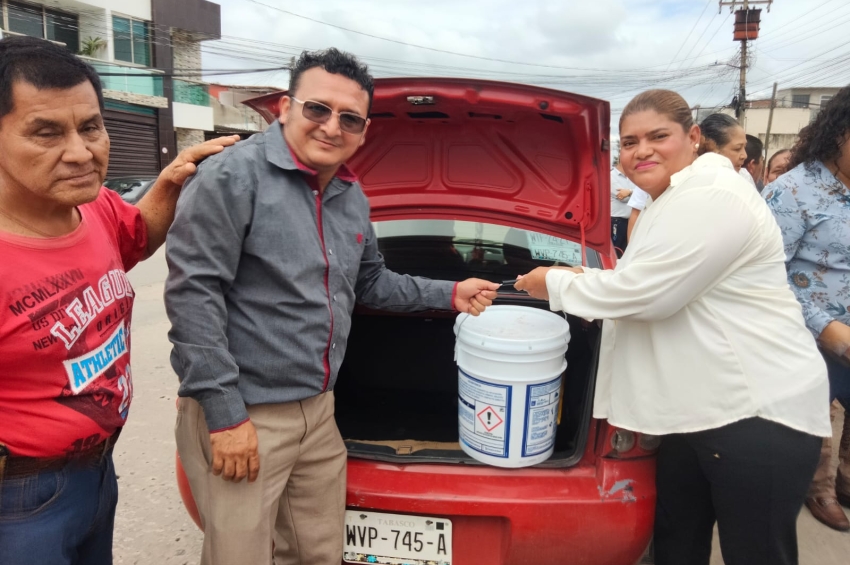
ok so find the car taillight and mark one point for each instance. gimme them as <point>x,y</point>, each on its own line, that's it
<point>624,444</point>
<point>649,442</point>
<point>623,441</point>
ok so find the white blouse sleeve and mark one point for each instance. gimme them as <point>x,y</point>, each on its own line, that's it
<point>638,199</point>
<point>686,250</point>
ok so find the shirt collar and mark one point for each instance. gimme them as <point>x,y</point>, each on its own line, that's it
<point>703,162</point>
<point>279,153</point>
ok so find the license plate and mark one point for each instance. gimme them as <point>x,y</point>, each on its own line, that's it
<point>396,539</point>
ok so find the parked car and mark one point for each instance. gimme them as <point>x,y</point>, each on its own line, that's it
<point>130,189</point>
<point>471,178</point>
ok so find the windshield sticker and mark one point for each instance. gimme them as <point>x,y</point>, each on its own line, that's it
<point>550,248</point>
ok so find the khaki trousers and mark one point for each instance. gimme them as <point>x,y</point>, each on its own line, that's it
<point>824,482</point>
<point>298,499</point>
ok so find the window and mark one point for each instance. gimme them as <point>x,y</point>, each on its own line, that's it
<point>824,100</point>
<point>799,100</point>
<point>132,41</point>
<point>26,19</point>
<point>455,249</point>
<point>37,21</point>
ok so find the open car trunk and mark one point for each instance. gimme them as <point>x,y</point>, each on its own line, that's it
<point>397,392</point>
<point>467,178</point>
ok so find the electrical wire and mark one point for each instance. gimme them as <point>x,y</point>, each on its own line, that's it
<point>688,36</point>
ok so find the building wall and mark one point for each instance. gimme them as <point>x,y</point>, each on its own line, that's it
<point>780,141</point>
<point>785,120</point>
<point>786,96</point>
<point>190,116</point>
<point>140,9</point>
<point>139,99</point>
<point>188,137</point>
<point>196,16</point>
<point>236,117</point>
<point>95,24</point>
<point>187,53</point>
<point>787,123</point>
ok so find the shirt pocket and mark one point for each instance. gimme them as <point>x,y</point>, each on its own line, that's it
<point>350,248</point>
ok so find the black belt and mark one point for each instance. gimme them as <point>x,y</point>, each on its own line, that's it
<point>11,466</point>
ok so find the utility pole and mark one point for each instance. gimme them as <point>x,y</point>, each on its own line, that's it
<point>770,120</point>
<point>742,89</point>
<point>746,28</point>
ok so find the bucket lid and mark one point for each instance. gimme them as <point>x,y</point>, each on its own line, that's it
<point>514,329</point>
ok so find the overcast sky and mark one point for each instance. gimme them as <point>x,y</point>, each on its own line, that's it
<point>611,49</point>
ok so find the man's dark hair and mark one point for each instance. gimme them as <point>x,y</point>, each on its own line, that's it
<point>42,64</point>
<point>822,139</point>
<point>335,62</point>
<point>755,150</point>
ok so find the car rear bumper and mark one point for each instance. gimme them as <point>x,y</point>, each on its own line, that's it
<point>598,514</point>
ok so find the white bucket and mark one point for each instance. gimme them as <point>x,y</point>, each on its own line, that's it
<point>510,361</point>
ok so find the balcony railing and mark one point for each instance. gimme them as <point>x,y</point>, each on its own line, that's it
<point>191,93</point>
<point>125,78</point>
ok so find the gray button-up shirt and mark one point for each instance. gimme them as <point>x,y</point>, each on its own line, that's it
<point>264,272</point>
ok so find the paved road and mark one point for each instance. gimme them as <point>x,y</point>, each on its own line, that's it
<point>153,528</point>
<point>151,525</point>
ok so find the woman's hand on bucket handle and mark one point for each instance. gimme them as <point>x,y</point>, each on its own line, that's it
<point>473,296</point>
<point>534,283</point>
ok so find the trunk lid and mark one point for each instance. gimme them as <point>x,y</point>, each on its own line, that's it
<point>519,155</point>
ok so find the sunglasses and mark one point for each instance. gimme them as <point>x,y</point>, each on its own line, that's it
<point>319,113</point>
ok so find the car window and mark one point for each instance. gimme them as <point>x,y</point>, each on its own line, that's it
<point>128,189</point>
<point>456,249</point>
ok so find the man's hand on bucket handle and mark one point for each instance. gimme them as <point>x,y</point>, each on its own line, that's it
<point>473,296</point>
<point>234,453</point>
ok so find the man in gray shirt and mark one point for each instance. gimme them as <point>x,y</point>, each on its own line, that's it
<point>271,247</point>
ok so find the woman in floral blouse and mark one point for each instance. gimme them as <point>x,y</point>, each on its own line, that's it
<point>811,203</point>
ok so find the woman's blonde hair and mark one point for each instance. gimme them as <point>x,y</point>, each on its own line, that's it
<point>665,102</point>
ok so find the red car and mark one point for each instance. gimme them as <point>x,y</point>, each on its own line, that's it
<point>481,179</point>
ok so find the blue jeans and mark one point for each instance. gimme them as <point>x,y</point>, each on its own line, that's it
<point>62,517</point>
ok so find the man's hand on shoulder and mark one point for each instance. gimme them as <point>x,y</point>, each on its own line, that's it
<point>187,161</point>
<point>235,453</point>
<point>158,205</point>
<point>473,296</point>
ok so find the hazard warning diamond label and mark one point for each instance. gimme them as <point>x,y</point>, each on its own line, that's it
<point>490,418</point>
<point>483,417</point>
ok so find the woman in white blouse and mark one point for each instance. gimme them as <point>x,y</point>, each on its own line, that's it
<point>704,344</point>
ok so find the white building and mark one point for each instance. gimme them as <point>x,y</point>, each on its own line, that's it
<point>135,45</point>
<point>794,109</point>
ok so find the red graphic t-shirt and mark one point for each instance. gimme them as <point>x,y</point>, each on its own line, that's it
<point>65,306</point>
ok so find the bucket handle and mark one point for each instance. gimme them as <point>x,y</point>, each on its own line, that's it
<point>458,332</point>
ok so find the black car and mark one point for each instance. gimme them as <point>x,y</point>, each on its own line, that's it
<point>130,189</point>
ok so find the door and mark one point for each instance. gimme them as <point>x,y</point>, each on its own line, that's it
<point>134,139</point>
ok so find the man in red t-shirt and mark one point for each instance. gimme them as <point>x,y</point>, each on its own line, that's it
<point>66,245</point>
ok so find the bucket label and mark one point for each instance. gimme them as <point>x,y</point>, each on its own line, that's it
<point>483,412</point>
<point>541,415</point>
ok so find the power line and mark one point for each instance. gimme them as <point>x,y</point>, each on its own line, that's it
<point>688,36</point>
